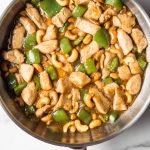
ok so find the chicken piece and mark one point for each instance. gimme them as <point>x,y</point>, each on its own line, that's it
<point>125,22</point>
<point>109,89</point>
<point>26,72</point>
<point>51,33</point>
<point>59,19</point>
<point>45,81</point>
<point>81,2</point>
<point>99,85</point>
<point>133,64</point>
<point>14,56</point>
<point>47,47</point>
<point>89,50</point>
<point>79,79</point>
<point>107,15</point>
<point>19,78</point>
<point>124,72</point>
<point>125,41</point>
<point>133,85</point>
<point>118,102</point>
<point>63,85</point>
<point>75,94</point>
<point>108,57</point>
<point>17,37</point>
<point>102,103</point>
<point>28,25</point>
<point>35,16</point>
<point>139,39</point>
<point>29,94</point>
<point>93,12</point>
<point>86,26</point>
<point>105,73</point>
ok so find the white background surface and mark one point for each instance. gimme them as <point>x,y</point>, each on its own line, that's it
<point>135,138</point>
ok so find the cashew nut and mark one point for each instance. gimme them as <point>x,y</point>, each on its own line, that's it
<point>61,58</point>
<point>129,98</point>
<point>95,123</point>
<point>39,112</point>
<point>102,61</point>
<point>43,93</point>
<point>71,20</point>
<point>75,107</point>
<point>94,116</point>
<point>95,76</point>
<point>73,57</point>
<point>53,97</point>
<point>88,100</point>
<point>46,118</point>
<point>38,67</point>
<point>81,128</point>
<point>72,116</point>
<point>63,2</point>
<point>42,101</point>
<point>56,63</point>
<point>67,125</point>
<point>87,39</point>
<point>72,129</point>
<point>39,35</point>
<point>70,36</point>
<point>113,35</point>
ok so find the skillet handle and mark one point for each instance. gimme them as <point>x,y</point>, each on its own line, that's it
<point>79,148</point>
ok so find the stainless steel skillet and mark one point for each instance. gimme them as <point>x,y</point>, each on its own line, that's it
<point>76,140</point>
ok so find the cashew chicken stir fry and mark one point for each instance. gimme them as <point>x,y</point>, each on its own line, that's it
<point>77,64</point>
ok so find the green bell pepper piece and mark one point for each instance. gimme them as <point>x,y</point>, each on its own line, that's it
<point>30,41</point>
<point>30,110</point>
<point>33,56</point>
<point>107,80</point>
<point>81,68</point>
<point>11,81</point>
<point>118,81</point>
<point>35,2</point>
<point>142,63</point>
<point>65,45</point>
<point>84,116</point>
<point>82,93</point>
<point>50,7</point>
<point>118,4</point>
<point>64,28</point>
<point>36,80</point>
<point>78,41</point>
<point>105,117</point>
<point>102,38</point>
<point>79,11</point>
<point>134,50</point>
<point>60,116</point>
<point>18,89</point>
<point>113,66</point>
<point>90,66</point>
<point>113,116</point>
<point>52,72</point>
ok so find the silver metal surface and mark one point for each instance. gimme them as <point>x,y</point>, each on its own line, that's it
<point>101,134</point>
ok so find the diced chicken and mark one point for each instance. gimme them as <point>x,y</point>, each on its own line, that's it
<point>26,72</point>
<point>107,15</point>
<point>86,26</point>
<point>63,85</point>
<point>105,73</point>
<point>81,2</point>
<point>51,33</point>
<point>60,18</point>
<point>99,85</point>
<point>109,89</point>
<point>88,51</point>
<point>108,58</point>
<point>124,72</point>
<point>102,103</point>
<point>35,16</point>
<point>93,12</point>
<point>124,21</point>
<point>79,79</point>
<point>75,94</point>
<point>131,61</point>
<point>28,25</point>
<point>47,47</point>
<point>134,84</point>
<point>14,56</point>
<point>139,39</point>
<point>29,94</point>
<point>118,102</point>
<point>125,41</point>
<point>17,37</point>
<point>45,81</point>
